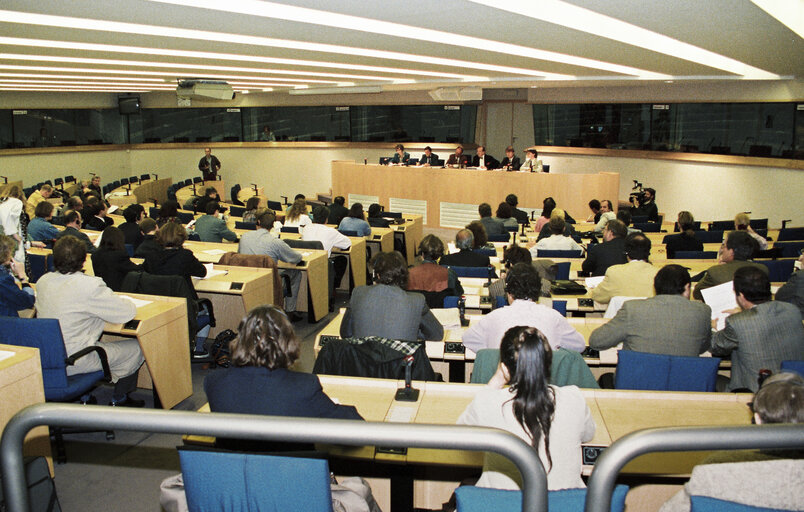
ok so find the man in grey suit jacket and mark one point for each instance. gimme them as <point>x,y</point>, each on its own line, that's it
<point>212,228</point>
<point>761,336</point>
<point>668,323</point>
<point>493,226</point>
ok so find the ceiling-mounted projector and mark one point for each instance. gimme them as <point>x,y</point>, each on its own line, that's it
<point>206,89</point>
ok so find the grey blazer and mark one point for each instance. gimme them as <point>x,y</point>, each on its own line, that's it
<point>760,337</point>
<point>389,312</point>
<point>664,324</point>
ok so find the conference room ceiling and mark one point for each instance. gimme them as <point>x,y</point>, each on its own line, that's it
<point>307,46</point>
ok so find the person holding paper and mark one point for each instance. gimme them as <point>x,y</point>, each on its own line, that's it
<point>652,325</point>
<point>793,290</point>
<point>83,304</point>
<point>762,335</point>
<point>735,253</point>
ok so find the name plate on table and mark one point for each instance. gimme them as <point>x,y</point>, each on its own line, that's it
<point>236,286</point>
<point>131,325</point>
<point>377,237</point>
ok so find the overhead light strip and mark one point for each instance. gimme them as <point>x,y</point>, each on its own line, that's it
<point>77,77</point>
<point>789,14</point>
<point>76,82</point>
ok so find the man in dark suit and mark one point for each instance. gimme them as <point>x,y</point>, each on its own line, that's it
<point>458,159</point>
<point>600,257</point>
<point>510,162</point>
<point>465,257</point>
<point>793,290</point>
<point>337,211</point>
<point>493,226</point>
<point>483,160</point>
<point>72,226</point>
<point>652,325</point>
<point>96,218</point>
<point>520,216</point>
<point>209,165</point>
<point>428,159</point>
<point>762,335</point>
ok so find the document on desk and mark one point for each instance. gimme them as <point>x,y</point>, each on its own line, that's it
<point>5,354</point>
<point>591,282</point>
<point>401,414</point>
<point>720,298</point>
<point>452,248</point>
<point>137,302</point>
<point>214,252</point>
<point>448,317</point>
<point>113,208</point>
<point>212,272</point>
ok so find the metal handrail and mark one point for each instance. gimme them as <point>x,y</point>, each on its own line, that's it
<point>266,428</point>
<point>616,456</point>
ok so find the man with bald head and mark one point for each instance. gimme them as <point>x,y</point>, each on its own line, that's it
<point>465,257</point>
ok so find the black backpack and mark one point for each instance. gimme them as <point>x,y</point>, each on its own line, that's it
<point>220,349</point>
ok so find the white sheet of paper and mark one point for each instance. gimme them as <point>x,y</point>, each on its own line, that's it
<point>448,317</point>
<point>97,240</point>
<point>720,298</point>
<point>137,302</point>
<point>212,272</point>
<point>113,208</point>
<point>451,247</point>
<point>190,224</point>
<point>591,282</point>
<point>401,414</point>
<point>473,301</point>
<point>5,354</point>
<point>214,251</point>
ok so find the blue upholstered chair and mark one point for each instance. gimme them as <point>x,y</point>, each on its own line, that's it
<point>289,229</point>
<point>237,211</point>
<point>274,205</point>
<point>659,372</point>
<point>695,255</point>
<point>793,366</point>
<point>505,237</point>
<point>560,306</point>
<point>648,227</point>
<point>779,270</point>
<point>562,270</point>
<point>709,237</point>
<point>547,253</point>
<point>708,504</point>
<point>789,249</point>
<point>789,234</point>
<point>41,264</point>
<point>482,499</point>
<point>245,225</point>
<point>473,271</point>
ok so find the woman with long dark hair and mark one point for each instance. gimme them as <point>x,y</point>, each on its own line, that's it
<point>554,420</point>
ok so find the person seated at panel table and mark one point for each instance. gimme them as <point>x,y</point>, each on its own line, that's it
<point>532,162</point>
<point>558,241</point>
<point>375,218</point>
<point>483,160</point>
<point>669,323</point>
<point>554,420</point>
<point>458,159</point>
<point>428,159</point>
<point>210,195</point>
<point>260,380</point>
<point>261,241</point>
<point>337,211</point>
<point>72,226</point>
<point>83,304</point>
<point>505,216</point>
<point>793,289</point>
<point>111,261</point>
<point>13,297</point>
<point>521,216</point>
<point>429,276</point>
<point>599,257</point>
<point>355,221</point>
<point>493,226</point>
<point>212,226</point>
<point>465,257</point>
<point>168,212</point>
<point>510,162</point>
<point>523,288</point>
<point>386,309</point>
<point>148,228</point>
<point>757,478</point>
<point>43,194</point>
<point>742,222</point>
<point>400,157</point>
<point>684,241</point>
<point>40,229</point>
<point>252,205</point>
<point>134,213</point>
<point>479,234</point>
<point>95,216</point>
<point>735,253</point>
<point>632,279</point>
<point>296,216</point>
<point>647,207</point>
<point>761,335</point>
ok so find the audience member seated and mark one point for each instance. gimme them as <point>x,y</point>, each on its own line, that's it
<point>329,238</point>
<point>504,216</point>
<point>519,399</point>
<point>558,241</point>
<point>511,256</point>
<point>355,221</point>
<point>735,253</point>
<point>83,304</point>
<point>548,205</point>
<point>646,208</point>
<point>594,206</point>
<point>493,226</point>
<point>479,233</point>
<point>38,196</point>
<point>212,226</point>
<point>385,309</point>
<point>669,323</point>
<point>261,241</point>
<point>429,276</point>
<point>95,216</point>
<point>465,257</point>
<point>72,226</point>
<point>523,287</point>
<point>134,213</point>
<point>599,257</point>
<point>520,215</point>
<point>148,228</point>
<point>532,162</point>
<point>73,203</point>
<point>742,222</point>
<point>624,216</point>
<point>40,229</point>
<point>111,261</point>
<point>169,212</point>
<point>337,211</point>
<point>606,215</point>
<point>793,290</point>
<point>632,279</point>
<point>260,380</point>
<point>763,334</point>
<point>296,216</point>
<point>758,478</point>
<point>568,229</point>
<point>685,241</point>
<point>252,205</point>
<point>13,297</point>
<point>483,160</point>
<point>210,196</point>
<point>375,218</point>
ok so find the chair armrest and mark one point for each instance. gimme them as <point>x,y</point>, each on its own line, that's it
<point>70,360</point>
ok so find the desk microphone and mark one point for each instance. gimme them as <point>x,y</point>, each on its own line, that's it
<point>255,188</point>
<point>156,176</point>
<point>408,393</point>
<point>5,179</point>
<point>156,203</point>
<point>286,199</point>
<point>491,273</point>
<point>462,311</point>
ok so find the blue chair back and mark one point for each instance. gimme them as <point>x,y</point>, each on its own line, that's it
<point>648,227</point>
<point>439,162</point>
<point>41,264</point>
<point>708,504</point>
<point>188,182</point>
<point>472,271</point>
<point>505,237</point>
<point>245,225</point>
<point>789,249</point>
<point>560,306</point>
<point>546,253</point>
<point>153,212</point>
<point>709,237</point>
<point>451,301</point>
<point>130,250</point>
<point>695,255</point>
<point>124,181</point>
<point>639,219</point>
<point>232,482</point>
<point>659,372</point>
<point>274,205</point>
<point>185,217</point>
<point>193,237</point>
<point>237,211</point>
<point>758,224</point>
<point>779,270</point>
<point>146,176</point>
<point>793,366</point>
<point>289,229</point>
<point>500,302</point>
<point>484,499</point>
<point>789,234</point>
<point>563,270</point>
<point>391,215</point>
<point>696,226</point>
<point>346,232</point>
<point>413,161</point>
<point>197,179</point>
<point>491,253</point>
<point>721,225</point>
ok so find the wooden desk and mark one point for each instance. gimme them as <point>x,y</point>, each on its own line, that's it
<point>185,193</point>
<point>162,332</point>
<point>410,234</point>
<point>123,196</point>
<point>380,240</point>
<point>21,386</point>
<point>236,293</point>
<point>355,273</point>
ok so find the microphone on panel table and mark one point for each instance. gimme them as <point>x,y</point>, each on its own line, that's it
<point>408,393</point>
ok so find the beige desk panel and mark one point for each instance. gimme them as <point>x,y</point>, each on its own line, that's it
<point>231,305</point>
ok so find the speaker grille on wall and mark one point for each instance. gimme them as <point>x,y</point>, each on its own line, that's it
<point>448,94</point>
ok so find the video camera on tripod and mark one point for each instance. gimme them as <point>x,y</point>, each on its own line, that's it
<point>637,194</point>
